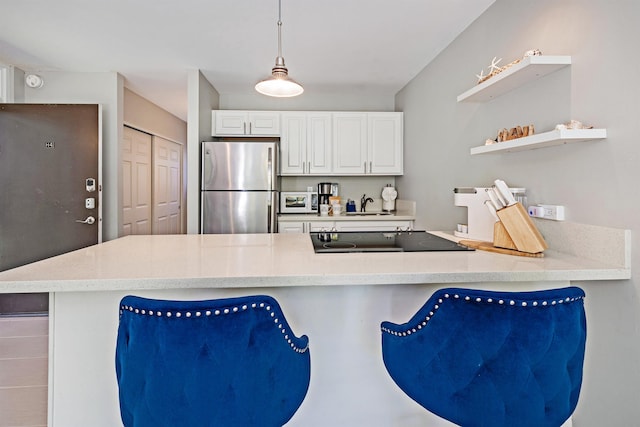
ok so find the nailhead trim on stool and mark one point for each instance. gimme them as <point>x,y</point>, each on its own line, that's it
<point>218,312</point>
<point>477,299</point>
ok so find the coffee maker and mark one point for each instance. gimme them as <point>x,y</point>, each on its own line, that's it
<point>480,220</point>
<point>325,190</point>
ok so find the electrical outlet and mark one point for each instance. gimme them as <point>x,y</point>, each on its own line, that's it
<point>554,212</point>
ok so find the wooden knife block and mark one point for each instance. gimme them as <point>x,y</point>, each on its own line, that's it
<point>516,230</point>
<point>501,238</point>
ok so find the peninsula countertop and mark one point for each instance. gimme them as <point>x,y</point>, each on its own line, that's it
<point>281,260</point>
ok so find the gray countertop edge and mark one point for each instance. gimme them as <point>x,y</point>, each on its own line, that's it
<point>157,283</point>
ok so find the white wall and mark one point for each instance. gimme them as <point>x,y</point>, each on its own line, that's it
<point>202,98</point>
<point>12,83</point>
<point>147,116</point>
<point>93,88</point>
<point>596,181</point>
<point>308,101</point>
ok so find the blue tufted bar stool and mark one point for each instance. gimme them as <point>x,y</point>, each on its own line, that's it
<point>484,358</point>
<point>224,362</point>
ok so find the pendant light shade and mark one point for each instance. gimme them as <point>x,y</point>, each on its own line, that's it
<point>279,85</point>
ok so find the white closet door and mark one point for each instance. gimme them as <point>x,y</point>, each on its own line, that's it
<point>136,182</point>
<point>167,173</point>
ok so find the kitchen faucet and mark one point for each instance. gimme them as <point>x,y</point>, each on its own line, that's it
<point>363,202</point>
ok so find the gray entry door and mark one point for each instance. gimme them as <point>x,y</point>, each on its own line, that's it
<point>49,188</point>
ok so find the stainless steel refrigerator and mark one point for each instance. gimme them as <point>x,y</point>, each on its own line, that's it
<point>239,186</point>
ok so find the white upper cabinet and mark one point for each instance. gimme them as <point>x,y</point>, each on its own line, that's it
<point>368,143</point>
<point>323,142</point>
<point>350,143</point>
<point>385,143</point>
<point>256,123</point>
<point>319,143</point>
<point>305,143</point>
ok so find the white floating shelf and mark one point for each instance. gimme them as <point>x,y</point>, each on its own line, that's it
<point>527,70</point>
<point>541,140</point>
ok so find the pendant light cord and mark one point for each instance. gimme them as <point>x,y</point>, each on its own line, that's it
<point>279,28</point>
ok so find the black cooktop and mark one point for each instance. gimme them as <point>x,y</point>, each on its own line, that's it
<point>376,241</point>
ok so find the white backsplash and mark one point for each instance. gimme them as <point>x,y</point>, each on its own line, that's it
<point>351,187</point>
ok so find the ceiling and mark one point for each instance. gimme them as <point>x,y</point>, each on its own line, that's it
<point>330,46</point>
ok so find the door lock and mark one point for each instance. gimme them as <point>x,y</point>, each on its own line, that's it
<point>90,184</point>
<point>89,220</point>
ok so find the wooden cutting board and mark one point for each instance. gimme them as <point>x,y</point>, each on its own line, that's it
<point>488,246</point>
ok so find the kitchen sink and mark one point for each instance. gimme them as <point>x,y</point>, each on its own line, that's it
<point>368,213</point>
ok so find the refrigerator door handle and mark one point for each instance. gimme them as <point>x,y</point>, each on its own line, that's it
<point>272,203</point>
<point>207,167</point>
<point>270,170</point>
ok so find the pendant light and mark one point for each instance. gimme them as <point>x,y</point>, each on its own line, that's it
<point>279,84</point>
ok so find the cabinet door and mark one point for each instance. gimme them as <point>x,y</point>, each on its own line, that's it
<point>238,122</point>
<point>263,123</point>
<point>319,143</point>
<point>385,143</point>
<point>293,144</point>
<point>349,143</point>
<point>373,225</point>
<point>228,122</point>
<point>291,227</point>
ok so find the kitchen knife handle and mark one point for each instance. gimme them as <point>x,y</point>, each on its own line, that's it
<point>497,204</point>
<point>503,190</point>
<point>492,209</point>
<point>501,199</point>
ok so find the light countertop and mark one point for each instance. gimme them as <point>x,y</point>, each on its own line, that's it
<point>281,260</point>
